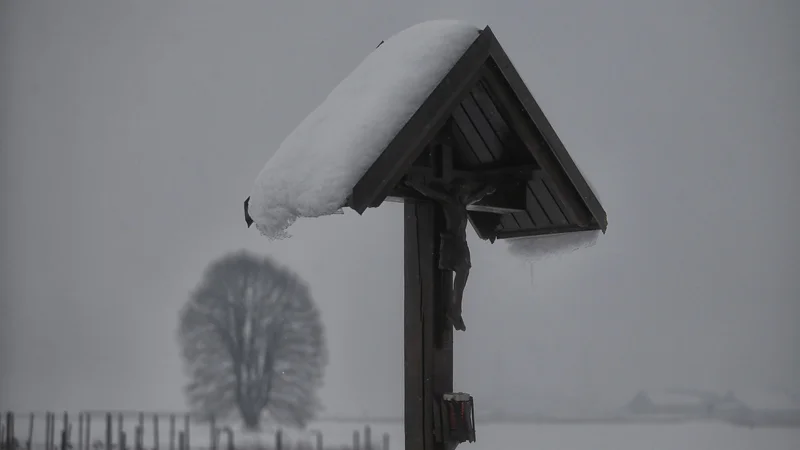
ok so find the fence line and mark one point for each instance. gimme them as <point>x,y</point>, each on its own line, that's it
<point>59,433</point>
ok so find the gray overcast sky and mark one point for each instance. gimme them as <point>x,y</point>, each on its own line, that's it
<point>132,131</point>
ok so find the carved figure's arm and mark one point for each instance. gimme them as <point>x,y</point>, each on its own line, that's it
<point>480,194</point>
<point>426,190</point>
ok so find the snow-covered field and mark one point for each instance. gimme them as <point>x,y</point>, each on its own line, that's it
<point>697,436</point>
<point>690,436</point>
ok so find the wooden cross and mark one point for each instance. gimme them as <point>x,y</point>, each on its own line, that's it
<point>428,290</point>
<point>483,113</point>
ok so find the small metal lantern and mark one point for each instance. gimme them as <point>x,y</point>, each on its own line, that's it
<point>458,417</point>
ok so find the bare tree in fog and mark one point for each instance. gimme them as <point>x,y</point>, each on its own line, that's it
<point>253,341</point>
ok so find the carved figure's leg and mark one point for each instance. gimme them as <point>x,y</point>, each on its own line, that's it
<point>460,276</point>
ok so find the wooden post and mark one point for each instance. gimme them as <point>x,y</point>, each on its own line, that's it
<point>120,425</point>
<point>140,432</point>
<point>318,435</point>
<point>385,441</point>
<point>80,431</point>
<point>428,334</point>
<point>29,442</point>
<point>356,441</point>
<point>367,438</point>
<point>9,430</point>
<point>186,429</point>
<point>123,441</point>
<point>279,439</point>
<point>155,432</point>
<point>46,431</point>
<point>182,440</point>
<point>172,432</point>
<point>87,443</point>
<point>51,430</point>
<point>109,431</point>
<point>213,433</point>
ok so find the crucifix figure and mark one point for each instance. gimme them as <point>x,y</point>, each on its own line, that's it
<point>454,198</point>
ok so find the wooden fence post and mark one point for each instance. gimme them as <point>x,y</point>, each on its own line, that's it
<point>9,430</point>
<point>155,432</point>
<point>186,431</point>
<point>87,430</point>
<point>109,431</point>
<point>279,440</point>
<point>182,440</point>
<point>385,441</point>
<point>356,440</point>
<point>80,431</point>
<point>51,431</point>
<point>120,425</point>
<point>318,435</point>
<point>31,420</point>
<point>367,438</point>
<point>172,432</point>
<point>213,433</point>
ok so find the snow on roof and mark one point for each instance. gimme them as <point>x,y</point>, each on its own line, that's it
<point>316,167</point>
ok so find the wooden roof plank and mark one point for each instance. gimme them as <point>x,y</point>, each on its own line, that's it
<point>535,210</point>
<point>510,140</point>
<point>482,127</point>
<point>471,136</point>
<point>520,124</point>
<point>545,198</point>
<point>523,96</point>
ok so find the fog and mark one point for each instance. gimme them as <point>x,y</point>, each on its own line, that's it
<point>132,131</point>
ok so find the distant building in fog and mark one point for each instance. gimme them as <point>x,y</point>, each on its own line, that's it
<point>643,403</point>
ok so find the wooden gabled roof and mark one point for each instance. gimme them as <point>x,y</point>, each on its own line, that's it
<point>483,108</point>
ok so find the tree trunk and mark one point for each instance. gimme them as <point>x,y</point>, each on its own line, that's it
<point>250,418</point>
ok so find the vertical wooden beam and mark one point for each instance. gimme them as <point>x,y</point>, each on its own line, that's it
<point>109,431</point>
<point>428,335</point>
<point>80,431</point>
<point>88,430</point>
<point>172,432</point>
<point>187,423</point>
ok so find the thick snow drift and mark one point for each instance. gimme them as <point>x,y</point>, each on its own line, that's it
<point>316,167</point>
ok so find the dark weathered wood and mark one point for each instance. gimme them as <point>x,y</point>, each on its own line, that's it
<point>80,431</point>
<point>521,124</point>
<point>542,231</point>
<point>156,438</point>
<point>409,143</point>
<point>187,424</point>
<point>88,441</point>
<point>546,198</point>
<point>428,335</point>
<point>471,136</point>
<point>413,334</point>
<point>530,108</point>
<point>109,430</point>
<point>172,432</point>
<point>490,172</point>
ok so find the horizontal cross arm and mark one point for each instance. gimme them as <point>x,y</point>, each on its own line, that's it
<point>525,171</point>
